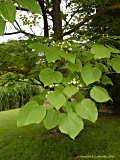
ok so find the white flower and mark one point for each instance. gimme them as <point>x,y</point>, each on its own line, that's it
<point>83,47</point>
<point>70,49</point>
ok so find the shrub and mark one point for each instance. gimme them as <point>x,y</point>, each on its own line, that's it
<point>15,95</point>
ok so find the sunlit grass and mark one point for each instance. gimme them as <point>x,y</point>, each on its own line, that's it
<point>34,142</point>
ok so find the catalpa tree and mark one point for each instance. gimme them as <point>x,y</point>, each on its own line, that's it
<point>72,74</point>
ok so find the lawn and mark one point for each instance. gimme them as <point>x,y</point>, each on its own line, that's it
<point>35,143</point>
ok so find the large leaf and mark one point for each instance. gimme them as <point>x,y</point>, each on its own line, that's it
<point>8,10</point>
<point>31,113</point>
<point>86,56</point>
<point>39,98</point>
<point>67,107</point>
<point>48,76</point>
<point>71,124</point>
<point>100,51</point>
<point>99,94</point>
<point>87,109</point>
<point>53,54</point>
<point>52,119</point>
<point>77,67</point>
<point>115,63</point>
<point>57,99</point>
<point>90,74</point>
<point>2,26</point>
<point>70,90</point>
<point>69,56</point>
<point>31,5</point>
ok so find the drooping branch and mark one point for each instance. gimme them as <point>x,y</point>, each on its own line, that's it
<point>101,12</point>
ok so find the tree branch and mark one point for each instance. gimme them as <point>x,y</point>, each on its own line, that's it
<point>77,26</point>
<point>14,70</point>
<point>67,22</point>
<point>22,9</point>
<point>17,32</point>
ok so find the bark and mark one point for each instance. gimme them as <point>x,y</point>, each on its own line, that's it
<point>57,20</point>
<point>44,12</point>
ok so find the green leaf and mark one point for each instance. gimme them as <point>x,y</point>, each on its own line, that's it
<point>38,47</point>
<point>77,67</point>
<point>2,26</point>
<point>115,63</point>
<point>53,54</point>
<point>39,98</point>
<point>71,124</point>
<point>69,56</point>
<point>67,107</point>
<point>79,96</point>
<point>57,99</point>
<point>69,78</point>
<point>8,10</point>
<point>31,113</point>
<point>106,80</point>
<point>30,5</point>
<point>99,94</point>
<point>52,119</point>
<point>113,50</point>
<point>87,109</point>
<point>70,91</point>
<point>100,51</point>
<point>102,67</point>
<point>86,56</point>
<point>90,74</point>
<point>59,88</point>
<point>48,76</point>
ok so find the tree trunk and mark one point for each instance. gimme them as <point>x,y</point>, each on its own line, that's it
<point>46,28</point>
<point>57,20</point>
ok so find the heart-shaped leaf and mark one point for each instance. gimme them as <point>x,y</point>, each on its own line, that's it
<point>87,109</point>
<point>70,90</point>
<point>57,99</point>
<point>100,51</point>
<point>77,67</point>
<point>115,63</point>
<point>69,56</point>
<point>48,76</point>
<point>53,54</point>
<point>31,113</point>
<point>90,74</point>
<point>99,94</point>
<point>71,124</point>
<point>52,119</point>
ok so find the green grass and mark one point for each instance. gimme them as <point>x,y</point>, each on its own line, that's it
<point>34,142</point>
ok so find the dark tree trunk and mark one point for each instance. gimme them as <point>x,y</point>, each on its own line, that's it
<point>57,20</point>
<point>44,12</point>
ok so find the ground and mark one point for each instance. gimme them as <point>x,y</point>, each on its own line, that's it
<point>35,143</point>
